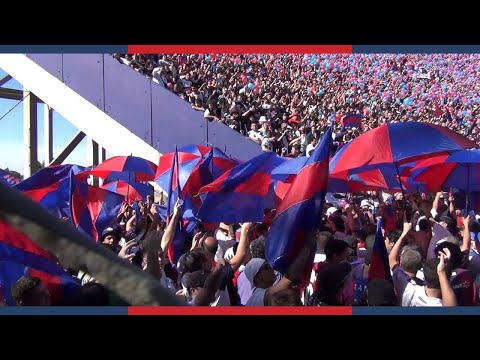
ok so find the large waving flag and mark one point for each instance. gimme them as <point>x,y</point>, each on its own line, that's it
<point>93,209</point>
<point>379,267</point>
<point>300,209</point>
<point>50,187</point>
<point>47,177</point>
<point>239,194</point>
<point>20,256</point>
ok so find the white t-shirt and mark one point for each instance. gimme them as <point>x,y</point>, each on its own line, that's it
<point>255,134</point>
<point>415,295</point>
<point>310,147</point>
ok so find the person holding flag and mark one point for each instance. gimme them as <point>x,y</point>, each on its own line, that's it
<point>299,214</point>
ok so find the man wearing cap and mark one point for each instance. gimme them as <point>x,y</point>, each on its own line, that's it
<point>262,277</point>
<point>111,237</point>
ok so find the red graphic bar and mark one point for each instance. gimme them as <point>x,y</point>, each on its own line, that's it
<point>240,310</point>
<point>240,49</point>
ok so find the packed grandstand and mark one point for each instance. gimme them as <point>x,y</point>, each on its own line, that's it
<point>387,217</point>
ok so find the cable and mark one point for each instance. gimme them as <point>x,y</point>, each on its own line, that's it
<point>14,106</point>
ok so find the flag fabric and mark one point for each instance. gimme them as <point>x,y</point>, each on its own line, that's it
<point>136,208</point>
<point>93,209</point>
<point>175,249</point>
<point>379,266</point>
<point>239,194</point>
<point>132,190</point>
<point>8,179</point>
<point>50,187</point>
<point>19,256</point>
<point>352,120</point>
<point>214,164</point>
<point>300,210</point>
<point>48,176</point>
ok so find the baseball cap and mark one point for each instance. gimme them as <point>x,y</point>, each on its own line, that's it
<point>252,268</point>
<point>331,210</point>
<point>364,203</point>
<point>110,231</point>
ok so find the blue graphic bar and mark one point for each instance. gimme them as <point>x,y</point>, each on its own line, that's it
<point>64,49</point>
<point>397,310</point>
<point>64,310</point>
<point>412,49</point>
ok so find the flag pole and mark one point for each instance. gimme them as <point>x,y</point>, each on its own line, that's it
<point>128,184</point>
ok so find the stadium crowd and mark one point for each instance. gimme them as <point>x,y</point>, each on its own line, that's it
<point>283,101</point>
<point>432,256</point>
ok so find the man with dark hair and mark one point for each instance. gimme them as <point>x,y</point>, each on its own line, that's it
<point>257,248</point>
<point>288,297</point>
<point>193,281</point>
<point>437,290</point>
<point>30,291</point>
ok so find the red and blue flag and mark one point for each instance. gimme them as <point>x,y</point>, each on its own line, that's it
<point>20,256</point>
<point>300,210</point>
<point>239,195</point>
<point>379,266</point>
<point>93,209</point>
<point>50,187</point>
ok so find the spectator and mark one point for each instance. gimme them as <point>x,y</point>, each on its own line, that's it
<point>30,291</point>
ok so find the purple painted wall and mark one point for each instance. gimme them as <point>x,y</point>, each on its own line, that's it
<point>154,114</point>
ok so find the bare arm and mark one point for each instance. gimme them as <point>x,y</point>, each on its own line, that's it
<point>130,223</point>
<point>393,257</point>
<point>350,219</point>
<point>242,249</point>
<point>451,206</point>
<point>122,211</point>
<point>281,136</point>
<point>448,296</point>
<point>169,233</point>
<point>294,141</point>
<point>466,234</point>
<point>155,218</point>
<point>436,202</point>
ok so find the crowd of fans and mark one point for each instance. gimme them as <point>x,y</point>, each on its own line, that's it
<point>283,102</point>
<point>432,256</point>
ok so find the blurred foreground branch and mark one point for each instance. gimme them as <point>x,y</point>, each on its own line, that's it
<point>78,252</point>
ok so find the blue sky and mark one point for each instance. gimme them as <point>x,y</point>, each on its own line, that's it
<point>11,134</point>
